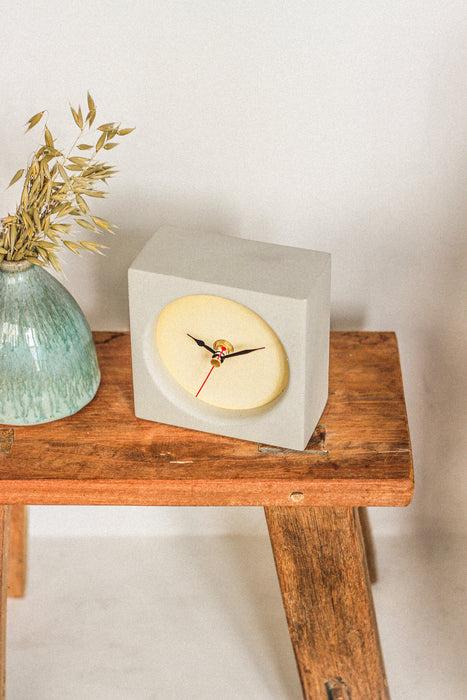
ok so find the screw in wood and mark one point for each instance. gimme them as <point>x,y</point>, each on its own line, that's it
<point>296,496</point>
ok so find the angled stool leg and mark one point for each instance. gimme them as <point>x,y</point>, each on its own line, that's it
<point>5,515</point>
<point>18,551</point>
<point>321,566</point>
<point>369,545</point>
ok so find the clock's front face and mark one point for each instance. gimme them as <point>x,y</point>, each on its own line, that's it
<point>221,352</point>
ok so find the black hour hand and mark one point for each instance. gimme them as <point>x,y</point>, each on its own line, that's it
<point>202,344</point>
<point>242,352</point>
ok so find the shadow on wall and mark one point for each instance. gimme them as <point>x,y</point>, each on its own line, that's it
<point>442,402</point>
<point>348,317</point>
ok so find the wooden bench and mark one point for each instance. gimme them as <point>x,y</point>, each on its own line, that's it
<point>358,456</point>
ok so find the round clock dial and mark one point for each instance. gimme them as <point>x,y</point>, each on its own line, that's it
<point>221,352</point>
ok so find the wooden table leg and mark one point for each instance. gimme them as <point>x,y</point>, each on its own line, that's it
<point>369,545</point>
<point>5,517</point>
<point>321,565</point>
<point>18,551</point>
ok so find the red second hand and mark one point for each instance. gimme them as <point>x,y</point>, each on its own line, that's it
<point>209,374</point>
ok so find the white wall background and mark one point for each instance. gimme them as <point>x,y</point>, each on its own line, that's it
<point>339,126</point>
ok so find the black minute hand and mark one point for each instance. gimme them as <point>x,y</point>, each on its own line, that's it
<point>202,344</point>
<point>242,352</point>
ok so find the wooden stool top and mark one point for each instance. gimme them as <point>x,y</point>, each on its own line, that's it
<point>359,455</point>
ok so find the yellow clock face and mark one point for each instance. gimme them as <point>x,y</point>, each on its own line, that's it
<point>221,352</point>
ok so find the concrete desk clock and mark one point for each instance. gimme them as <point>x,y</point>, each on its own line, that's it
<point>230,336</point>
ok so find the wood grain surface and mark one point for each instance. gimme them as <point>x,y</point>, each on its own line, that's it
<point>360,455</point>
<point>320,561</point>
<point>18,551</point>
<point>5,516</point>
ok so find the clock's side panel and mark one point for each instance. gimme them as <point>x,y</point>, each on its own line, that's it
<point>317,361</point>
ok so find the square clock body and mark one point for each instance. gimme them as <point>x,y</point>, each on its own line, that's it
<point>230,336</point>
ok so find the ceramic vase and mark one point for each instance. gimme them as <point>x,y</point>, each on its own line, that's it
<point>48,362</point>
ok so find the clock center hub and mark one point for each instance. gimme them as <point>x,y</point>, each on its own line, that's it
<point>222,348</point>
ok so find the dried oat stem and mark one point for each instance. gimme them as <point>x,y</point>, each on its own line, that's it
<point>55,191</point>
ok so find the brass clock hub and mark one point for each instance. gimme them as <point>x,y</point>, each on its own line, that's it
<point>222,348</point>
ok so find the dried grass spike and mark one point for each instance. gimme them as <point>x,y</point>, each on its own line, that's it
<point>34,120</point>
<point>16,177</point>
<point>91,103</point>
<point>48,138</point>
<point>77,116</point>
<point>84,223</point>
<point>100,142</point>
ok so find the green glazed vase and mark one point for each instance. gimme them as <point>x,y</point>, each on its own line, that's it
<point>48,362</point>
